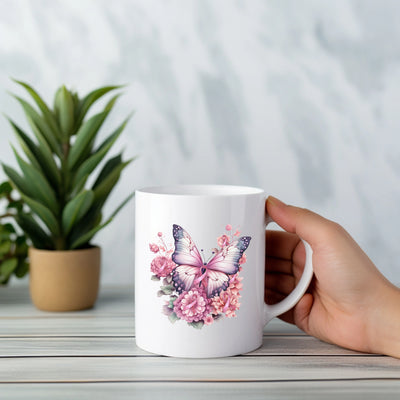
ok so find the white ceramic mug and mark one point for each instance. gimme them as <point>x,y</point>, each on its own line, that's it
<point>199,270</point>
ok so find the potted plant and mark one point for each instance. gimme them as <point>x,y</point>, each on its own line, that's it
<point>13,245</point>
<point>66,204</point>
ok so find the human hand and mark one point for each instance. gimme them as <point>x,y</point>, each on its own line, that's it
<point>349,302</point>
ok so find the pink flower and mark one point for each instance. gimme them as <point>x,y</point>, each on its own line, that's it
<point>162,266</point>
<point>243,259</point>
<point>223,241</point>
<point>159,234</point>
<point>154,248</point>
<point>192,306</point>
<point>226,303</point>
<point>235,284</point>
<point>228,227</point>
<point>237,233</point>
<point>208,320</point>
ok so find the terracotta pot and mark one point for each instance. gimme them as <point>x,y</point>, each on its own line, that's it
<point>64,280</point>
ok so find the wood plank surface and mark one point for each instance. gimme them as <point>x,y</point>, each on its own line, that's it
<point>93,354</point>
<point>300,390</point>
<point>164,369</point>
<point>126,346</point>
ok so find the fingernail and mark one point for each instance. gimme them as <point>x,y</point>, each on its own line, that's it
<point>275,202</point>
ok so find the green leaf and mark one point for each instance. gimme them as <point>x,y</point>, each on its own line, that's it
<point>84,137</point>
<point>5,247</point>
<point>44,214</point>
<point>85,239</point>
<point>118,209</point>
<point>90,98</point>
<point>108,167</point>
<point>5,189</point>
<point>22,268</point>
<point>40,239</point>
<point>77,188</point>
<point>173,317</point>
<point>76,209</point>
<point>7,267</point>
<point>197,325</point>
<point>38,185</point>
<point>39,126</point>
<point>103,189</point>
<point>17,205</point>
<point>48,115</point>
<point>92,162</point>
<point>40,156</point>
<point>9,228</point>
<point>21,249</point>
<point>27,145</point>
<point>155,278</point>
<point>64,107</point>
<point>20,183</point>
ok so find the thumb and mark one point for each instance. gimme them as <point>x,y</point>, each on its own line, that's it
<point>305,223</point>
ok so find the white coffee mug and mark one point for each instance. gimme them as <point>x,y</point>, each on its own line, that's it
<point>200,268</point>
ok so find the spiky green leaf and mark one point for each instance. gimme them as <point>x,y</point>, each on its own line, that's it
<point>20,183</point>
<point>44,214</point>
<point>40,156</point>
<point>91,98</point>
<point>40,239</point>
<point>48,115</point>
<point>64,107</point>
<point>84,138</point>
<point>76,209</point>
<point>92,162</point>
<point>86,238</point>
<point>38,185</point>
<point>40,127</point>
<point>104,188</point>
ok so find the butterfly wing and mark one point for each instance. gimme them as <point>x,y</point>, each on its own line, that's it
<point>184,276</point>
<point>188,258</point>
<point>227,260</point>
<point>186,252</point>
<point>216,282</point>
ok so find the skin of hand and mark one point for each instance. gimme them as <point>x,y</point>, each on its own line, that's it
<point>349,302</point>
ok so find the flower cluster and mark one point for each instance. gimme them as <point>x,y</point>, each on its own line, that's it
<point>193,305</point>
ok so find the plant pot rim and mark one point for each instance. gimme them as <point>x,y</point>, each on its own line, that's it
<point>45,251</point>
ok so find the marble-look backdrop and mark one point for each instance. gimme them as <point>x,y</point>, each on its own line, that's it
<point>300,98</point>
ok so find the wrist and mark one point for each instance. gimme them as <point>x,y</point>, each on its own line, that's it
<point>385,323</point>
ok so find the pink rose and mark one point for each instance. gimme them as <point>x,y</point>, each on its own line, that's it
<point>223,241</point>
<point>228,227</point>
<point>154,248</point>
<point>162,266</point>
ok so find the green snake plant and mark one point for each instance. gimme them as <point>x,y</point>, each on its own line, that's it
<point>61,155</point>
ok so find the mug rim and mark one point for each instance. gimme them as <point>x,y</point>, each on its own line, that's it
<point>201,190</point>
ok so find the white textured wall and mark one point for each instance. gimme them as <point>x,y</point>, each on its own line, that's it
<point>300,98</point>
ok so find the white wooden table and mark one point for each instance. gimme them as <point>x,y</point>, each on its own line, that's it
<point>92,355</point>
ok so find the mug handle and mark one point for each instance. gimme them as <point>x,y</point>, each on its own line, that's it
<point>272,311</point>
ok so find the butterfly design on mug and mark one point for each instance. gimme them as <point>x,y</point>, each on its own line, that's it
<point>192,271</point>
<point>199,291</point>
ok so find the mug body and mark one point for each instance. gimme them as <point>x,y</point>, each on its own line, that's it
<point>199,270</point>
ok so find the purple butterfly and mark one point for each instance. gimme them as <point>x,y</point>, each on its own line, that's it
<point>214,274</point>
